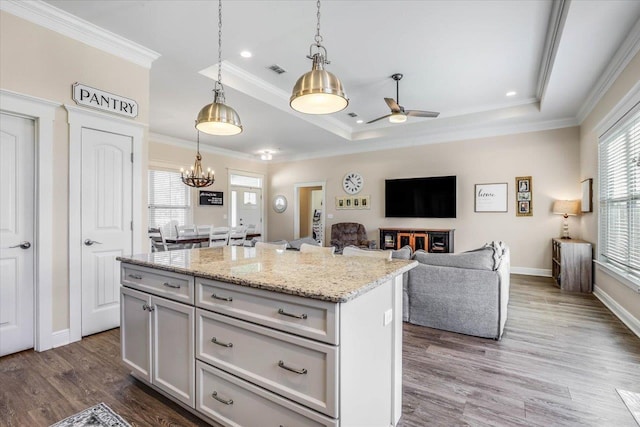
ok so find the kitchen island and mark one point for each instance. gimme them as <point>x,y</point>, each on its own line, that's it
<point>251,337</point>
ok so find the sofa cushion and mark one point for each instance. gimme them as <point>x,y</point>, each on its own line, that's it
<point>478,259</point>
<point>402,253</point>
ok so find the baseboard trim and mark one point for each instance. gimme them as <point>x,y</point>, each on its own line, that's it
<point>619,311</point>
<point>60,338</point>
<point>544,272</point>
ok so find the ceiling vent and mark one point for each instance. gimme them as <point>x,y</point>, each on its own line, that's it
<point>352,114</point>
<point>277,69</point>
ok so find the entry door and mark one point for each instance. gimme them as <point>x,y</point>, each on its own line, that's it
<point>17,195</point>
<point>106,225</point>
<point>248,206</point>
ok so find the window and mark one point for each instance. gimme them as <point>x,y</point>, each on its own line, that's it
<point>169,201</point>
<point>619,222</point>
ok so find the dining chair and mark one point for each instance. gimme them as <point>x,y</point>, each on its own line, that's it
<point>308,248</point>
<point>372,253</point>
<point>204,230</point>
<point>185,230</point>
<point>237,236</point>
<point>156,238</point>
<point>272,246</point>
<point>219,236</point>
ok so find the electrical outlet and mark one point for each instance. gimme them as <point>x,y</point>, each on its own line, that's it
<point>330,216</point>
<point>388,317</point>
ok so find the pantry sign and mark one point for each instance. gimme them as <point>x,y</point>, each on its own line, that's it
<point>105,101</point>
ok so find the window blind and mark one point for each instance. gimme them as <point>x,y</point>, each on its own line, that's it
<point>169,201</point>
<point>619,182</point>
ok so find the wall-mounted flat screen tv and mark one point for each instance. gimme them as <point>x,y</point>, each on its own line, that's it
<point>431,197</point>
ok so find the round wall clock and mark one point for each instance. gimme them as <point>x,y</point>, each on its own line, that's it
<point>352,182</point>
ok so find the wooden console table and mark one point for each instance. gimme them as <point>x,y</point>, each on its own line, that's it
<point>418,238</point>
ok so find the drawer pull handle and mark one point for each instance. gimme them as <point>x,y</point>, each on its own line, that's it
<point>219,399</point>
<point>297,316</point>
<point>214,296</point>
<point>146,306</point>
<point>297,371</point>
<point>169,285</point>
<point>135,276</point>
<point>223,344</point>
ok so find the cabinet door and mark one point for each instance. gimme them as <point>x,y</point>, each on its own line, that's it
<point>404,239</point>
<point>135,331</point>
<point>419,241</point>
<point>173,349</point>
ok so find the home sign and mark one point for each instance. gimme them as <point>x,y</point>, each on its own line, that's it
<point>105,101</point>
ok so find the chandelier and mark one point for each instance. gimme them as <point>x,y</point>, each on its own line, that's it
<point>195,177</point>
<point>318,91</point>
<point>217,118</point>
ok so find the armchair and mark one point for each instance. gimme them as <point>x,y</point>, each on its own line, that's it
<point>349,234</point>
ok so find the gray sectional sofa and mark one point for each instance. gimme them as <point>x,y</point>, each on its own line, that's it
<point>466,292</point>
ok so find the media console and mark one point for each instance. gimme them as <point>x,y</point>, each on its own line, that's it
<point>418,238</point>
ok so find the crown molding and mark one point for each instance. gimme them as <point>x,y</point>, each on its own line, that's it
<point>557,19</point>
<point>52,18</point>
<point>450,134</point>
<point>625,53</point>
<point>204,147</point>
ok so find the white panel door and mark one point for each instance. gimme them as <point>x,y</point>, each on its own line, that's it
<point>106,225</point>
<point>247,206</point>
<point>17,195</point>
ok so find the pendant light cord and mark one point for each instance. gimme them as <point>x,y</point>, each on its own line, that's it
<point>220,42</point>
<point>318,37</point>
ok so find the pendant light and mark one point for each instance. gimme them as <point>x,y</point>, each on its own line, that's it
<point>195,177</point>
<point>318,91</point>
<point>217,118</point>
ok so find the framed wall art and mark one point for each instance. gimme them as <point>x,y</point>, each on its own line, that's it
<point>587,195</point>
<point>524,196</point>
<point>490,197</point>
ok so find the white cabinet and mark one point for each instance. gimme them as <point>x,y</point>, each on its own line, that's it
<point>157,342</point>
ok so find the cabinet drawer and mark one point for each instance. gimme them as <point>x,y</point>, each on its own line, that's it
<point>314,319</point>
<point>300,369</point>
<point>175,286</point>
<point>243,404</point>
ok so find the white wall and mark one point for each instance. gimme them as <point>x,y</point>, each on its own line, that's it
<point>552,158</point>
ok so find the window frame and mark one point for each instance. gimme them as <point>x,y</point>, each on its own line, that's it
<point>188,207</point>
<point>623,115</point>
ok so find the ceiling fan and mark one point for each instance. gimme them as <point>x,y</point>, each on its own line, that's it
<point>398,113</point>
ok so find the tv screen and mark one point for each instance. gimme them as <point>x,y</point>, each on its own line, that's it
<point>433,197</point>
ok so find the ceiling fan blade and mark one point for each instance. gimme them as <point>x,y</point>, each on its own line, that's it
<point>379,118</point>
<point>418,113</point>
<point>392,104</point>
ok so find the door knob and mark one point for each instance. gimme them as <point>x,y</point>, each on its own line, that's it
<point>22,245</point>
<point>90,242</point>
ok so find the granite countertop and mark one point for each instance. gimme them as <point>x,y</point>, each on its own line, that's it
<point>320,276</point>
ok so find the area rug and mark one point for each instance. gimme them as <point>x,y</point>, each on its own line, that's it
<point>632,400</point>
<point>96,416</point>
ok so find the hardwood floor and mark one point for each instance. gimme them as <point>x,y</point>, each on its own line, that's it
<point>559,363</point>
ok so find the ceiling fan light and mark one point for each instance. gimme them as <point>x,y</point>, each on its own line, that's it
<point>318,92</point>
<point>397,118</point>
<point>218,119</point>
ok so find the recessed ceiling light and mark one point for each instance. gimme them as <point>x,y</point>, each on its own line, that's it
<point>512,93</point>
<point>246,54</point>
<point>359,121</point>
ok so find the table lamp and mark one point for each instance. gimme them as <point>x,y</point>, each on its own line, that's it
<point>566,208</point>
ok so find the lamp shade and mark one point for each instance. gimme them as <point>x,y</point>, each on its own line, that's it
<point>566,207</point>
<point>218,119</point>
<point>318,92</point>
